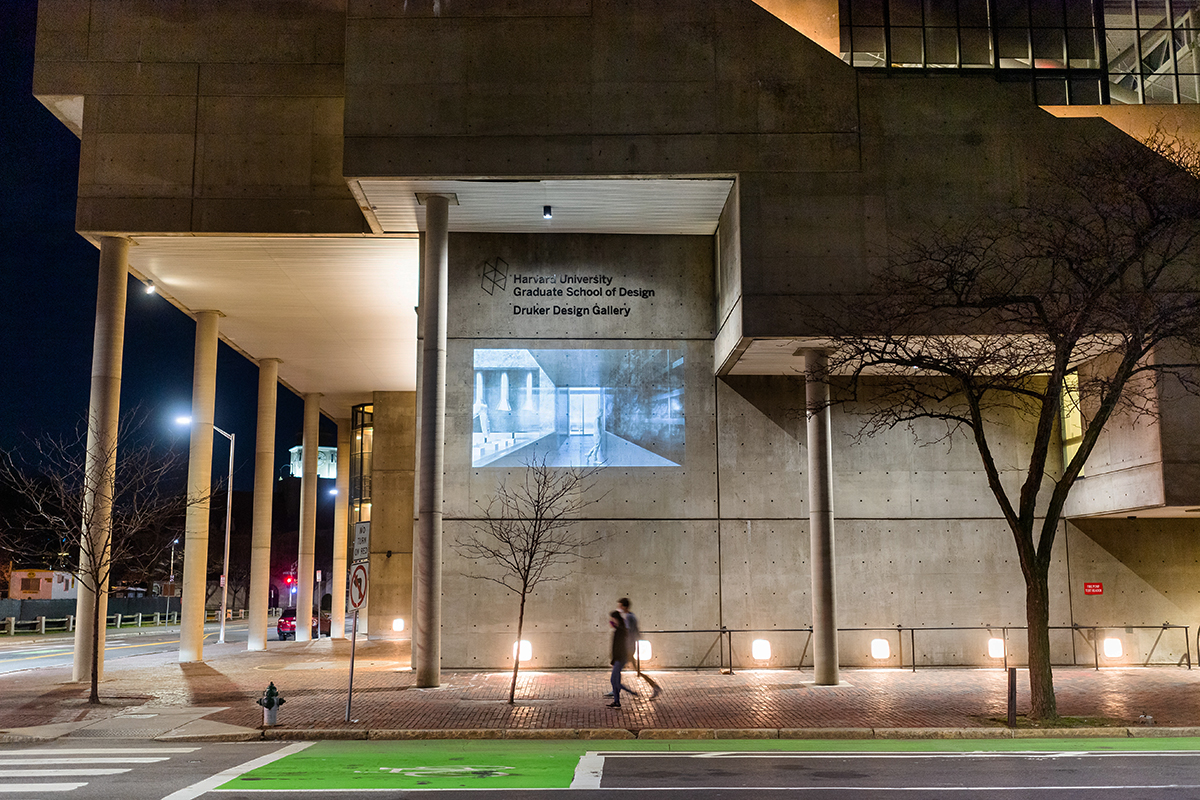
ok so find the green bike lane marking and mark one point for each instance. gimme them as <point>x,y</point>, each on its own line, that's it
<point>550,764</point>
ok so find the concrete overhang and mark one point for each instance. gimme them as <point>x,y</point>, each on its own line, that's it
<point>339,311</point>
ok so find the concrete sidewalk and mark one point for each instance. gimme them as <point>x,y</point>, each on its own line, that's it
<point>155,697</point>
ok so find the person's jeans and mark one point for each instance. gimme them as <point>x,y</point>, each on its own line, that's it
<point>616,680</point>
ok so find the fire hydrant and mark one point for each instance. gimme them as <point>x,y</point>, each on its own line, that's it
<point>270,702</point>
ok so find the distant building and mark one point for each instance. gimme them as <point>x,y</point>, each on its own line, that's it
<point>41,584</point>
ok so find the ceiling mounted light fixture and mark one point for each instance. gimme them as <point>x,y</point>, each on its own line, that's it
<point>150,287</point>
<point>546,213</point>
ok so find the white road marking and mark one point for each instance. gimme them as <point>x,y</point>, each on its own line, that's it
<point>81,751</point>
<point>1022,754</point>
<point>588,771</point>
<point>60,773</point>
<point>38,789</point>
<point>89,760</point>
<point>208,784</point>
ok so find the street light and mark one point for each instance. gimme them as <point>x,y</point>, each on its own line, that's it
<point>228,517</point>
<point>172,578</point>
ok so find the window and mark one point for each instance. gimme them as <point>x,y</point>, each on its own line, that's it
<point>1072,419</point>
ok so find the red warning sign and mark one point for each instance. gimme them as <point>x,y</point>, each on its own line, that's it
<point>1093,588</point>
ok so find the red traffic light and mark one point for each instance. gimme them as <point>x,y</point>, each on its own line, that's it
<point>288,579</point>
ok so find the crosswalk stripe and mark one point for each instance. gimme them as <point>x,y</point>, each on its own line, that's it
<point>38,789</point>
<point>61,773</point>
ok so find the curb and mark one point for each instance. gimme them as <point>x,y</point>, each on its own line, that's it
<point>668,734</point>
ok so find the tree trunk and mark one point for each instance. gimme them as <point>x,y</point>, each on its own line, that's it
<point>94,697</point>
<point>512,689</point>
<point>1043,705</point>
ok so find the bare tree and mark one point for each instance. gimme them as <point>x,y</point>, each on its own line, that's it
<point>52,524</point>
<point>528,535</point>
<point>1085,297</point>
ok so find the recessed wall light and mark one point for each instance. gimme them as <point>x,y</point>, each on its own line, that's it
<point>547,213</point>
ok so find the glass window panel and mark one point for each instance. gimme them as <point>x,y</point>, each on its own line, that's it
<point>1014,43</point>
<point>976,47</point>
<point>1123,89</point>
<point>1118,14</point>
<point>1051,92</point>
<point>940,14</point>
<point>1081,48</point>
<point>1079,13</point>
<point>1122,56</point>
<point>1185,15</point>
<point>1156,55</point>
<point>906,46</point>
<point>865,12</point>
<point>1084,91</point>
<point>868,47</point>
<point>1189,88</point>
<point>1159,89</point>
<point>1151,14</point>
<point>1048,48</point>
<point>973,13</point>
<point>941,47</point>
<point>905,12</point>
<point>1012,13</point>
<point>1187,58</point>
<point>1047,14</point>
<point>844,39</point>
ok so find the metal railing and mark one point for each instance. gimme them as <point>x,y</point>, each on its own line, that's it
<point>725,649</point>
<point>11,626</point>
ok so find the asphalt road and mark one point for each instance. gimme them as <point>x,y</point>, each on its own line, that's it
<point>131,770</point>
<point>19,653</point>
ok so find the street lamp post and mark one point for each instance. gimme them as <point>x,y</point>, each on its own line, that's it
<point>228,517</point>
<point>172,577</point>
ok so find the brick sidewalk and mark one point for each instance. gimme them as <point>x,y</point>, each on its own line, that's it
<point>313,676</point>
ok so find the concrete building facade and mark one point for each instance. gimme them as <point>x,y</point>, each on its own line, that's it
<point>642,200</point>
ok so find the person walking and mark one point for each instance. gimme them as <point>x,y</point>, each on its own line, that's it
<point>620,655</point>
<point>635,633</point>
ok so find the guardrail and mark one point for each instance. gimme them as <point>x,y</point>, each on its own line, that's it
<point>725,645</point>
<point>11,626</point>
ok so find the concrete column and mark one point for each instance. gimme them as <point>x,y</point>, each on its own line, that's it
<point>100,461</point>
<point>306,569</point>
<point>264,491</point>
<point>427,571</point>
<point>199,485</point>
<point>820,520</point>
<point>341,518</point>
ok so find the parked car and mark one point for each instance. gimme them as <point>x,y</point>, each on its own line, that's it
<point>286,626</point>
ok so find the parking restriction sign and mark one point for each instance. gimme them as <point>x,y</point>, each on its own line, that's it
<point>358,586</point>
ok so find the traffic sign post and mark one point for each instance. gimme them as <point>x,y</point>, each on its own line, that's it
<point>359,578</point>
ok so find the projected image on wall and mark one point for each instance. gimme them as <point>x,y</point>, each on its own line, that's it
<point>578,408</point>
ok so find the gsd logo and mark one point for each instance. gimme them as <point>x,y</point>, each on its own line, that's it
<point>495,275</point>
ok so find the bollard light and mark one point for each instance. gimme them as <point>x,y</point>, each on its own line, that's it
<point>995,648</point>
<point>644,651</point>
<point>880,649</point>
<point>526,650</point>
<point>760,650</point>
<point>1113,648</point>
<point>398,624</point>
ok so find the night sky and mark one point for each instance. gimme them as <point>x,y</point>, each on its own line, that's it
<point>48,291</point>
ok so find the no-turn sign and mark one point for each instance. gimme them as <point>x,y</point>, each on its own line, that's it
<point>358,586</point>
